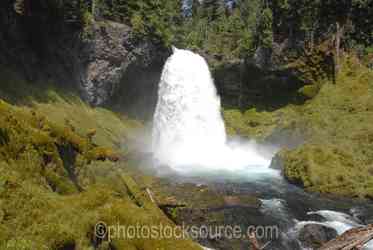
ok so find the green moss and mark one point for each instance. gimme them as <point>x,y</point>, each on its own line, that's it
<point>309,91</point>
<point>314,65</point>
<point>234,121</point>
<point>102,153</point>
<point>335,126</point>
<point>328,169</point>
<point>59,183</point>
<point>52,189</point>
<point>258,125</point>
<point>111,129</point>
<point>196,197</point>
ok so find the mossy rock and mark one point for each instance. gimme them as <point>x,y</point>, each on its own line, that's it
<point>251,123</point>
<point>51,221</point>
<point>234,121</point>
<point>53,190</point>
<point>103,153</point>
<point>309,91</point>
<point>328,169</point>
<point>196,197</point>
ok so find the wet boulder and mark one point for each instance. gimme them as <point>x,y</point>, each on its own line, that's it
<point>315,235</point>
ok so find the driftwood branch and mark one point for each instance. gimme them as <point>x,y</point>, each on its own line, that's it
<point>353,239</point>
<point>150,194</point>
<point>169,202</point>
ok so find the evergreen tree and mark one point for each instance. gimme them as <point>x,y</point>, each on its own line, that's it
<point>265,31</point>
<point>213,9</point>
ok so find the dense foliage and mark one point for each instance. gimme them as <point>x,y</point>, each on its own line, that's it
<point>229,28</point>
<point>314,20</point>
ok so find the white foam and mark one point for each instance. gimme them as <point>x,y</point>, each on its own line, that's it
<point>339,221</point>
<point>188,129</point>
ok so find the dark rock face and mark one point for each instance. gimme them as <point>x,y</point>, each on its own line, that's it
<point>315,235</point>
<point>112,56</point>
<point>277,163</point>
<point>107,60</point>
<point>228,80</point>
<point>137,93</point>
<point>260,81</point>
<point>102,61</point>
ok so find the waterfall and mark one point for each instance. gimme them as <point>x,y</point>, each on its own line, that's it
<point>188,128</point>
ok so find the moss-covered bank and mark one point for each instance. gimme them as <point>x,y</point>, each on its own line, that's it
<point>62,170</point>
<point>328,141</point>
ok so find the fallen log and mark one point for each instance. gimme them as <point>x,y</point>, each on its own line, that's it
<point>353,239</point>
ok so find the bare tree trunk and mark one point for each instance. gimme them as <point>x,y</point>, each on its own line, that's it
<point>312,39</point>
<point>93,9</point>
<point>338,38</point>
<point>240,97</point>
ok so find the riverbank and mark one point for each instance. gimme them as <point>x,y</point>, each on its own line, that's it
<point>64,168</point>
<point>326,142</point>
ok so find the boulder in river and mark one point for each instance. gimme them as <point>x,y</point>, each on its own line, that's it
<point>315,235</point>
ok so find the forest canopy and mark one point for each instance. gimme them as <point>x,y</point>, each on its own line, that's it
<point>233,28</point>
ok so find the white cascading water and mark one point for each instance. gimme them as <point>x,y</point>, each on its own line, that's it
<point>339,221</point>
<point>188,129</point>
<point>189,136</point>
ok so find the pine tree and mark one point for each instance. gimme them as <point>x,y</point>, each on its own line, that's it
<point>213,9</point>
<point>265,30</point>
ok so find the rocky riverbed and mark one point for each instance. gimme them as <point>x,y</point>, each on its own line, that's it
<point>303,220</point>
